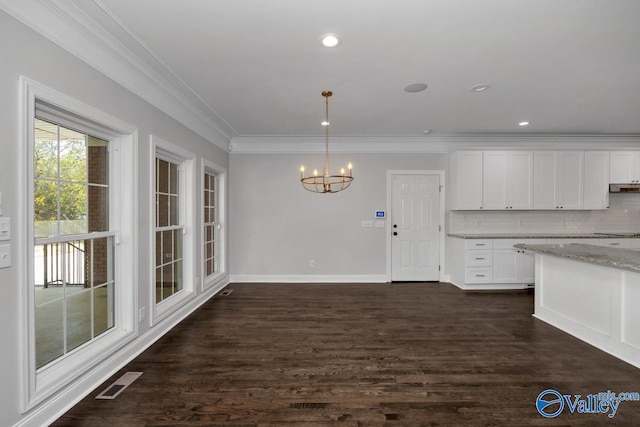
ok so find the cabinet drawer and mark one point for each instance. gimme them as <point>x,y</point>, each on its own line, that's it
<point>614,243</point>
<point>478,275</point>
<point>508,243</point>
<point>478,244</point>
<point>478,258</point>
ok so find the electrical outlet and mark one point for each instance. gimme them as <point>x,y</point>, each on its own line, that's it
<point>312,263</point>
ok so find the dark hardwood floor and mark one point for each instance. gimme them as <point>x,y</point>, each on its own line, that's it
<point>408,354</point>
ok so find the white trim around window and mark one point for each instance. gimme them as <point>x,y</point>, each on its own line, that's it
<point>161,149</point>
<point>40,384</point>
<point>221,237</point>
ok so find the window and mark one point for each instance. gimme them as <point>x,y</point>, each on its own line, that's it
<point>78,264</point>
<point>210,224</point>
<point>169,230</point>
<point>213,180</point>
<point>73,252</point>
<point>173,210</point>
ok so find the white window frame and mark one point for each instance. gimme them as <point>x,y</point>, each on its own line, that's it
<point>186,160</point>
<point>221,194</point>
<point>42,383</point>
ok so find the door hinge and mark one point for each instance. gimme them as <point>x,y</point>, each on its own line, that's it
<point>439,228</point>
<point>438,268</point>
<point>440,189</point>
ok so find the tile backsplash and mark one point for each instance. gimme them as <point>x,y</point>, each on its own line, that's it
<point>623,215</point>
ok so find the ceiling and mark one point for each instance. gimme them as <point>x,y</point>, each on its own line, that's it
<point>567,67</point>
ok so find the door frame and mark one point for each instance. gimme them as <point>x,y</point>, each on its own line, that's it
<point>441,175</point>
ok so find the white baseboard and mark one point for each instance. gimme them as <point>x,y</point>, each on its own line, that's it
<point>59,403</point>
<point>347,278</point>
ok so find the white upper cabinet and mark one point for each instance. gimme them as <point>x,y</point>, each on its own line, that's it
<point>624,167</point>
<point>544,179</point>
<point>596,180</point>
<point>466,180</point>
<point>507,180</point>
<point>558,180</point>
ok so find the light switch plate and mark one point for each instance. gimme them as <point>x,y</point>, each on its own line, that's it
<point>5,228</point>
<point>5,256</point>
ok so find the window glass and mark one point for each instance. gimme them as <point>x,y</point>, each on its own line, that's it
<point>169,230</point>
<point>73,270</point>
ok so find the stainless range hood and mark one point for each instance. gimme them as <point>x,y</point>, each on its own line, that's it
<point>624,188</point>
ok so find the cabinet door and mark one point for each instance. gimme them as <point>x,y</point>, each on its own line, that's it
<point>525,267</point>
<point>633,244</point>
<point>519,180</point>
<point>596,180</point>
<point>494,188</point>
<point>544,180</point>
<point>623,167</point>
<point>466,180</point>
<point>504,266</point>
<point>570,178</point>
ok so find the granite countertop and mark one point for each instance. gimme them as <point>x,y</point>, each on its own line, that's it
<point>624,259</point>
<point>539,236</point>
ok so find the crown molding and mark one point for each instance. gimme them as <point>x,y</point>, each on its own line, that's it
<point>429,144</point>
<point>90,32</point>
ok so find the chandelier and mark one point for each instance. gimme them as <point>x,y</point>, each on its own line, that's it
<point>326,183</point>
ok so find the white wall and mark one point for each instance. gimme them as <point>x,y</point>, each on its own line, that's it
<point>24,52</point>
<point>277,226</point>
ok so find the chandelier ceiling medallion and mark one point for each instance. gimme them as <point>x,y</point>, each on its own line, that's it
<point>326,183</point>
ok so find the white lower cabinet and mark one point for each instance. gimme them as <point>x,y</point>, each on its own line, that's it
<point>494,263</point>
<point>511,265</point>
<point>478,261</point>
<point>633,244</point>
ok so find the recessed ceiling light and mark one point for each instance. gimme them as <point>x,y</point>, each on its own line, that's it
<point>479,88</point>
<point>415,87</point>
<point>524,123</point>
<point>325,123</point>
<point>330,40</point>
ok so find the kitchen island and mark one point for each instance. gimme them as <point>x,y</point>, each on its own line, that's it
<point>592,293</point>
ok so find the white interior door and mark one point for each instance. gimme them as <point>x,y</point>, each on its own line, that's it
<point>415,227</point>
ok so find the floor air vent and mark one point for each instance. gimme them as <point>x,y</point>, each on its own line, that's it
<point>309,405</point>
<point>119,385</point>
<point>226,292</point>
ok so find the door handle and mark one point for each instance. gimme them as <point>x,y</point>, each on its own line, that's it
<point>395,225</point>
